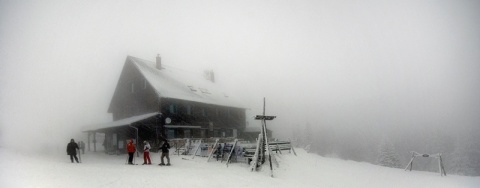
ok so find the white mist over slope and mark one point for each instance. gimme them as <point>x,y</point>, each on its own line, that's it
<point>386,67</point>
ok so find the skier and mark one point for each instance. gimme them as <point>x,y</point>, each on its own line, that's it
<point>130,149</point>
<point>72,150</point>
<point>165,152</point>
<point>146,153</point>
<point>218,151</point>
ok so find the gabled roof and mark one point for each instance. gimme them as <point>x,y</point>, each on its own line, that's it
<point>174,83</point>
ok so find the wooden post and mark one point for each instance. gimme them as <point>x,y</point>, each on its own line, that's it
<point>443,168</point>
<point>268,148</point>
<point>278,149</point>
<point>440,167</point>
<point>291,147</point>
<point>410,163</point>
<point>255,159</point>
<point>94,142</point>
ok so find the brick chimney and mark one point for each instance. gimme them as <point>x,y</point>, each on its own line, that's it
<point>159,62</point>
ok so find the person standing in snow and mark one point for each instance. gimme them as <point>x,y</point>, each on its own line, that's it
<point>146,153</point>
<point>72,150</point>
<point>82,147</point>
<point>218,151</point>
<point>130,149</point>
<point>165,147</point>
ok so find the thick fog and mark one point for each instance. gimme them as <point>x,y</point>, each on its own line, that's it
<point>360,69</point>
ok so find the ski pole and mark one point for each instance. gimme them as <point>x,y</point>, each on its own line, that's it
<point>79,155</point>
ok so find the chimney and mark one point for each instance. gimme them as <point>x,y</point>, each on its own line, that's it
<point>159,62</point>
<point>209,75</point>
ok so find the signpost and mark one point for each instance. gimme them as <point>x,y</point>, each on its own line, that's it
<point>265,146</point>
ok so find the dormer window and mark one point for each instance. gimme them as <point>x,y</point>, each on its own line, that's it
<point>192,88</point>
<point>203,90</point>
<point>173,108</point>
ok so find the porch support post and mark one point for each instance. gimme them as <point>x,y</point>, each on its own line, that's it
<point>94,142</point>
<point>89,140</point>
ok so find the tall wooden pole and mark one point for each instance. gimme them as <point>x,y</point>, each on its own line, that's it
<point>267,146</point>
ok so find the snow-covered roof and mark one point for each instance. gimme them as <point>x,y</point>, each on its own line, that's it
<point>174,83</point>
<point>121,122</point>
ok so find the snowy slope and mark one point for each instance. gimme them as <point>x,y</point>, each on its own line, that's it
<point>304,170</point>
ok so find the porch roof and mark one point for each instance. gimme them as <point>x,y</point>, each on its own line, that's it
<point>119,123</point>
<point>182,127</point>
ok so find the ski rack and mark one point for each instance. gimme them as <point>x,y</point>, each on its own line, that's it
<point>198,147</point>
<point>231,151</point>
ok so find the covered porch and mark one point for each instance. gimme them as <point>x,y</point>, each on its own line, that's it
<point>139,128</point>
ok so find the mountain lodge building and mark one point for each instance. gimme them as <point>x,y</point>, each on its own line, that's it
<point>154,102</point>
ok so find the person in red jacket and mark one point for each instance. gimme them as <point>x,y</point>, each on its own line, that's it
<point>130,149</point>
<point>146,153</point>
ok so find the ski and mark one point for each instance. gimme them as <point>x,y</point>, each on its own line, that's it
<point>198,147</point>
<point>231,151</point>
<point>79,156</point>
<point>213,150</point>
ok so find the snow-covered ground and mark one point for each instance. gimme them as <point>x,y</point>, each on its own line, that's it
<point>305,170</point>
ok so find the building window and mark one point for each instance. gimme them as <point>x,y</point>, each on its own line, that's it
<point>228,133</point>
<point>173,108</point>
<point>170,134</point>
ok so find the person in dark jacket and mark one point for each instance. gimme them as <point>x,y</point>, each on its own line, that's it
<point>218,151</point>
<point>72,150</point>
<point>165,147</point>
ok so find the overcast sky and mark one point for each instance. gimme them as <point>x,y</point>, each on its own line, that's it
<point>378,64</point>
